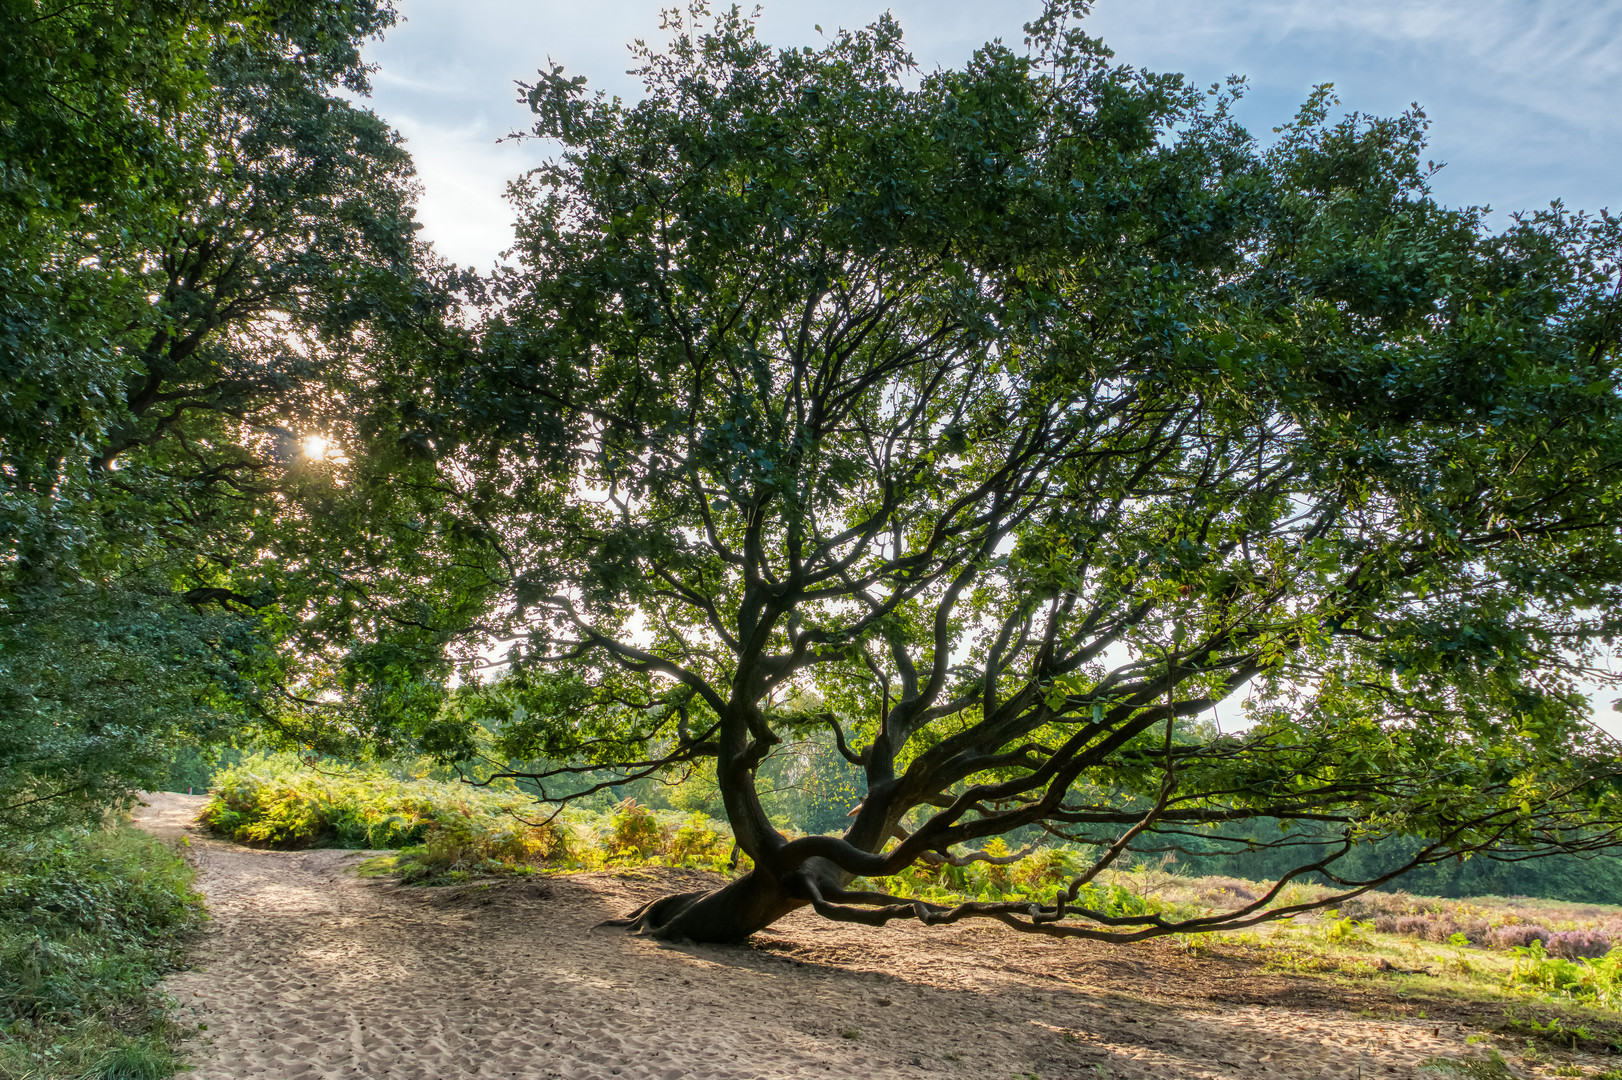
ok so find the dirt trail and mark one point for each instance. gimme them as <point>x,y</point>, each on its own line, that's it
<point>308,971</point>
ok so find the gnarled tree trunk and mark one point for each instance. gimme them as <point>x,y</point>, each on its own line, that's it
<point>731,913</point>
<point>719,916</point>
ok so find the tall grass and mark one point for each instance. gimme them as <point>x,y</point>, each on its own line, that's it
<point>90,920</point>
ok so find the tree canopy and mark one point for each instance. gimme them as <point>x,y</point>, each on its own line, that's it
<point>201,237</point>
<point>1081,462</point>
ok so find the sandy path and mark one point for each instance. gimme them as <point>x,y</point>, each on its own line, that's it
<point>309,971</point>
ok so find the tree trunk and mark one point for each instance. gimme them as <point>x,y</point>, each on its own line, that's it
<point>723,916</point>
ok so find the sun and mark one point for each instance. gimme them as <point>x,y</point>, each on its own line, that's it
<point>315,447</point>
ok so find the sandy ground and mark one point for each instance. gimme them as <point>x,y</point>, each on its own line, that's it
<point>309,971</point>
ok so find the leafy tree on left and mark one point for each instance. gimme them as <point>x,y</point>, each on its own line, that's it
<point>200,241</point>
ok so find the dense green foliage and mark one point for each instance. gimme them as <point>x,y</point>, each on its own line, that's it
<point>445,830</point>
<point>1592,982</point>
<point>448,829</point>
<point>89,921</point>
<point>996,419</point>
<point>201,239</point>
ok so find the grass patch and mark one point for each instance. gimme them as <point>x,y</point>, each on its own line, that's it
<point>378,866</point>
<point>90,920</point>
<point>1493,1067</point>
<point>1595,981</point>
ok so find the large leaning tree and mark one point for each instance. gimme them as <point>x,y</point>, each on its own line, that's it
<point>1082,464</point>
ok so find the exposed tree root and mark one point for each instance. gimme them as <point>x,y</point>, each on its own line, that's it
<point>724,916</point>
<point>656,914</point>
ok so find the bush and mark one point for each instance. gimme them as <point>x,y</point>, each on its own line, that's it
<point>634,834</point>
<point>1373,905</point>
<point>458,851</point>
<point>1430,926</point>
<point>1044,869</point>
<point>698,845</point>
<point>1578,945</point>
<point>1039,876</point>
<point>1439,928</point>
<point>445,831</point>
<point>90,920</point>
<point>1518,936</point>
<point>1593,981</point>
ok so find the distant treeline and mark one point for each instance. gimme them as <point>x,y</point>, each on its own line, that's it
<point>1592,880</point>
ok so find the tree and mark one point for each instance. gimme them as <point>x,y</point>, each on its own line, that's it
<point>1076,460</point>
<point>201,240</point>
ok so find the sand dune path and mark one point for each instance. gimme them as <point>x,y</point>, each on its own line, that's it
<point>309,971</point>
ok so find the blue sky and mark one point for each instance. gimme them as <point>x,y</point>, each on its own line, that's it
<point>1522,94</point>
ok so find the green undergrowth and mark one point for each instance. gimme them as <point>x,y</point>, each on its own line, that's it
<point>1596,981</point>
<point>628,836</point>
<point>1038,876</point>
<point>90,920</point>
<point>447,832</point>
<point>442,832</point>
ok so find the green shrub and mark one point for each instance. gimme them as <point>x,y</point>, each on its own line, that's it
<point>698,845</point>
<point>634,834</point>
<point>1039,876</point>
<point>90,920</point>
<point>445,831</point>
<point>1593,982</point>
<point>457,851</point>
<point>1044,870</point>
<point>278,802</point>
